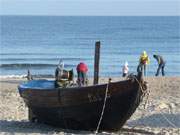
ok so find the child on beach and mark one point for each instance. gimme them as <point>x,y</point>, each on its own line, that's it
<point>125,69</point>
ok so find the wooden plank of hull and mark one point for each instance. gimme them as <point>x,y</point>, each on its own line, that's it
<point>75,109</point>
<point>85,116</point>
<point>74,96</point>
<point>93,94</point>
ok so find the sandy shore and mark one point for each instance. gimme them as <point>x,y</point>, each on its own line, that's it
<point>161,116</point>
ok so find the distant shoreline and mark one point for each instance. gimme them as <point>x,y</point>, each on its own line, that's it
<point>52,76</point>
<point>91,15</point>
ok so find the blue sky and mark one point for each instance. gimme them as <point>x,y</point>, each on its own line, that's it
<point>91,7</point>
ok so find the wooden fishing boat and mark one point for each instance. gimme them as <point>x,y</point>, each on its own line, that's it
<point>80,108</point>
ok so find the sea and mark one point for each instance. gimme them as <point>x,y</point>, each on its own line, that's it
<point>37,43</point>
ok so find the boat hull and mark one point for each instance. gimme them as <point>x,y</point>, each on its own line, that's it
<point>81,108</point>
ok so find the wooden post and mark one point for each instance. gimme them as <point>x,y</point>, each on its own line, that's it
<point>96,62</point>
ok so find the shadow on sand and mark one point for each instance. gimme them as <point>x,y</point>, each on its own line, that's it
<point>154,121</point>
<point>158,120</point>
<point>25,127</point>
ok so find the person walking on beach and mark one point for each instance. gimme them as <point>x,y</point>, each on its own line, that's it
<point>161,64</point>
<point>125,69</point>
<point>143,61</point>
<point>82,73</point>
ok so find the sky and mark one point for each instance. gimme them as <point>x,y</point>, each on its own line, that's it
<point>91,7</point>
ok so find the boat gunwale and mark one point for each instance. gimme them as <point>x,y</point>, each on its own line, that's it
<point>67,88</point>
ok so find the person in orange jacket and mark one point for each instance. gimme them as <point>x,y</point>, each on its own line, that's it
<point>143,61</point>
<point>82,73</point>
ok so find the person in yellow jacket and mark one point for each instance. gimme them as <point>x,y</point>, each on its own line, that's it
<point>143,61</point>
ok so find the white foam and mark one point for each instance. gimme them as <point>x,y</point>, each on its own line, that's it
<point>12,76</point>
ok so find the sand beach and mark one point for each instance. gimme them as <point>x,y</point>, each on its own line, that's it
<point>105,34</point>
<point>161,115</point>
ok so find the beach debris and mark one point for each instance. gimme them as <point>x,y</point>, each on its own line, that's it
<point>162,106</point>
<point>165,106</point>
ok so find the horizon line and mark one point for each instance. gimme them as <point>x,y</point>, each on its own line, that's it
<point>93,15</point>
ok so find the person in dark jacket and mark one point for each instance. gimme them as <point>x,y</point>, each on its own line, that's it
<point>82,73</point>
<point>161,64</point>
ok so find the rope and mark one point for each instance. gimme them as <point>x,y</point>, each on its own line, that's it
<point>107,87</point>
<point>144,92</point>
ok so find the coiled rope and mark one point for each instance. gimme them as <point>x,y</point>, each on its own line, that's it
<point>144,91</point>
<point>104,105</point>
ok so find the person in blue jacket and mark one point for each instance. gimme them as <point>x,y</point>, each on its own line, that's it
<point>161,64</point>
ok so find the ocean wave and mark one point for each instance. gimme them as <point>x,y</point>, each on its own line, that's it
<point>24,65</point>
<point>25,76</point>
<point>30,54</point>
<point>12,76</point>
<point>29,65</point>
<point>41,59</point>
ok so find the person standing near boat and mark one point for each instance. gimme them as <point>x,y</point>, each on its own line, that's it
<point>82,73</point>
<point>59,70</point>
<point>161,64</point>
<point>61,67</point>
<point>59,73</point>
<point>143,61</point>
<point>125,69</point>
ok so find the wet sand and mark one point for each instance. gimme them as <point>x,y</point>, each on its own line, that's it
<point>161,115</point>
